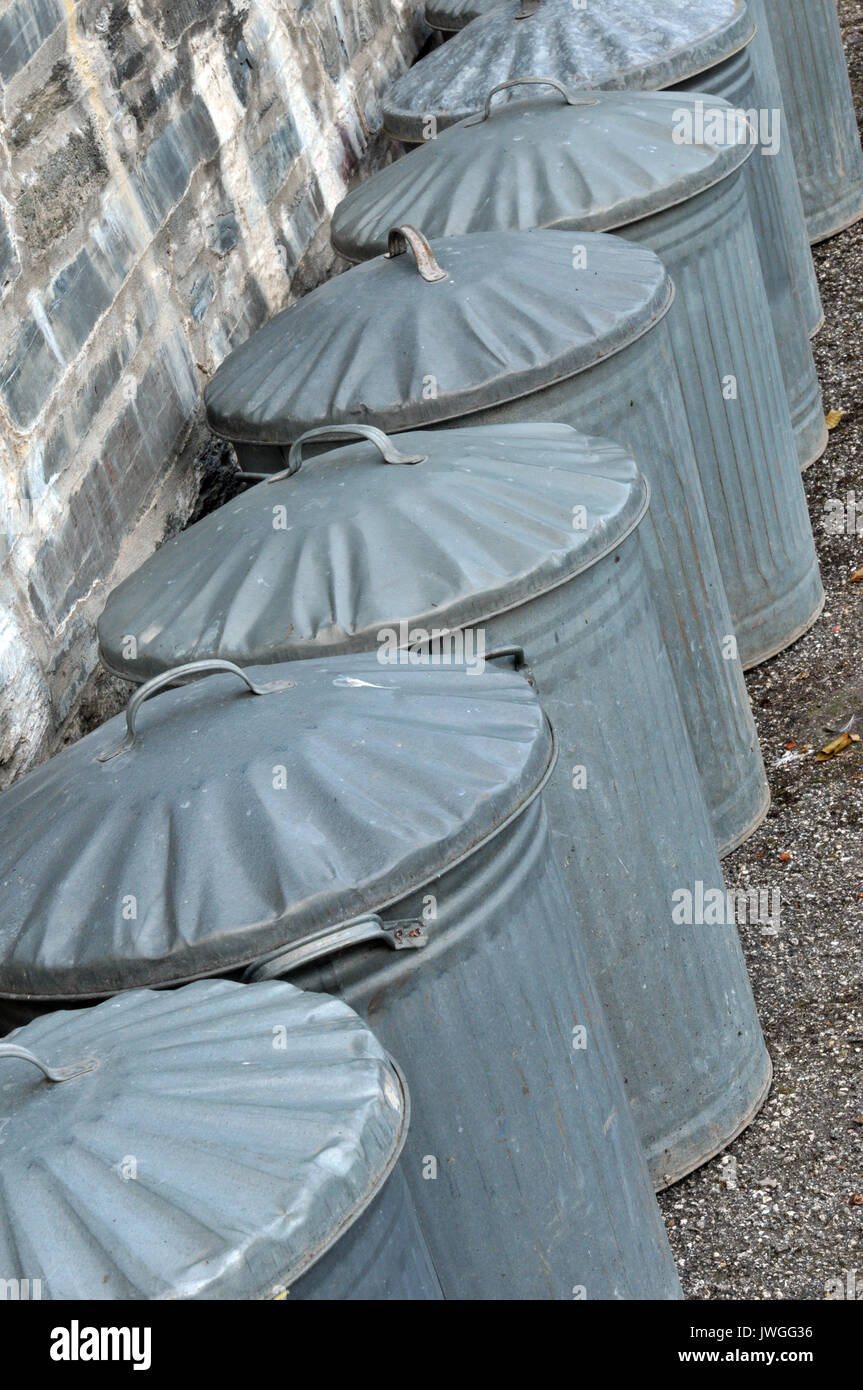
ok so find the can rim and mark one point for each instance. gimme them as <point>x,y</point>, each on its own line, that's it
<point>402,125</point>
<point>229,967</point>
<point>418,415</point>
<point>283,1284</point>
<point>356,643</point>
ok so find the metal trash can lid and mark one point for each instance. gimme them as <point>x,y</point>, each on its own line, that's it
<point>550,161</point>
<point>474,521</point>
<point>611,43</point>
<point>232,824</point>
<point>388,344</point>
<point>208,1142</point>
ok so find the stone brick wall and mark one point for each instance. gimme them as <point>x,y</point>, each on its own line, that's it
<point>167,172</point>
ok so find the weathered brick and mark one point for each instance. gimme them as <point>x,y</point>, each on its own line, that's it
<point>23,29</point>
<point>201,295</point>
<point>163,174</point>
<point>271,162</point>
<point>116,485</point>
<point>174,20</point>
<point>68,180</point>
<point>43,106</point>
<point>143,240</point>
<point>29,375</point>
<point>10,266</point>
<point>241,63</point>
<point>79,296</point>
<point>223,233</point>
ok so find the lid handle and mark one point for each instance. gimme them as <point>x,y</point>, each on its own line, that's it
<point>399,936</point>
<point>529,81</point>
<point>404,236</point>
<point>387,450</point>
<point>191,668</point>
<point>515,654</point>
<point>528,9</point>
<point>50,1073</point>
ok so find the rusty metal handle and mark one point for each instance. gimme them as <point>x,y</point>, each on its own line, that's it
<point>404,236</point>
<point>517,654</point>
<point>519,660</point>
<point>569,97</point>
<point>399,936</point>
<point>191,668</point>
<point>382,442</point>
<point>50,1073</point>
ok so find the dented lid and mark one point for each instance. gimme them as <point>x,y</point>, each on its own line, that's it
<point>230,818</point>
<point>449,328</point>
<point>208,1142</point>
<point>435,528</point>
<point>608,43</point>
<point>550,161</point>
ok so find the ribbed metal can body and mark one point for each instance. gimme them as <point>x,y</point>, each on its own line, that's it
<point>783,242</point>
<point>821,121</point>
<point>634,397</point>
<point>382,1257</point>
<point>630,828</point>
<point>521,1156</point>
<point>731,378</point>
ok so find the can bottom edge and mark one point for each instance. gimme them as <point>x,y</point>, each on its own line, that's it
<point>727,847</point>
<point>810,451</point>
<point>750,662</point>
<point>818,233</point>
<point>673,1174</point>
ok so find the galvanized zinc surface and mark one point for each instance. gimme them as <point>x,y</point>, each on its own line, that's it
<point>380,345</point>
<point>382,1256</point>
<point>819,110</point>
<point>729,365</point>
<point>238,822</point>
<point>622,160</point>
<point>219,1141</point>
<point>325,558</point>
<point>629,825</point>
<point>547,162</point>
<point>748,80</point>
<point>534,290</point>
<point>522,1157</point>
<point>611,43</point>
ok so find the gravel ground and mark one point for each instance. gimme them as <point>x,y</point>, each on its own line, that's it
<point>781,1212</point>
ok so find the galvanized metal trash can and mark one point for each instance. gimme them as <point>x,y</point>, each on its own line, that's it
<point>820,117</point>
<point>611,43</point>
<point>527,536</point>
<point>521,327</point>
<point>751,81</point>
<point>625,44</point>
<point>220,1141</point>
<point>618,165</point>
<point>392,814</point>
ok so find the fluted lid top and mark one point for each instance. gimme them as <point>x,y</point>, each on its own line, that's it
<point>208,1142</point>
<point>550,161</point>
<point>235,821</point>
<point>390,343</point>
<point>323,560</point>
<point>609,43</point>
